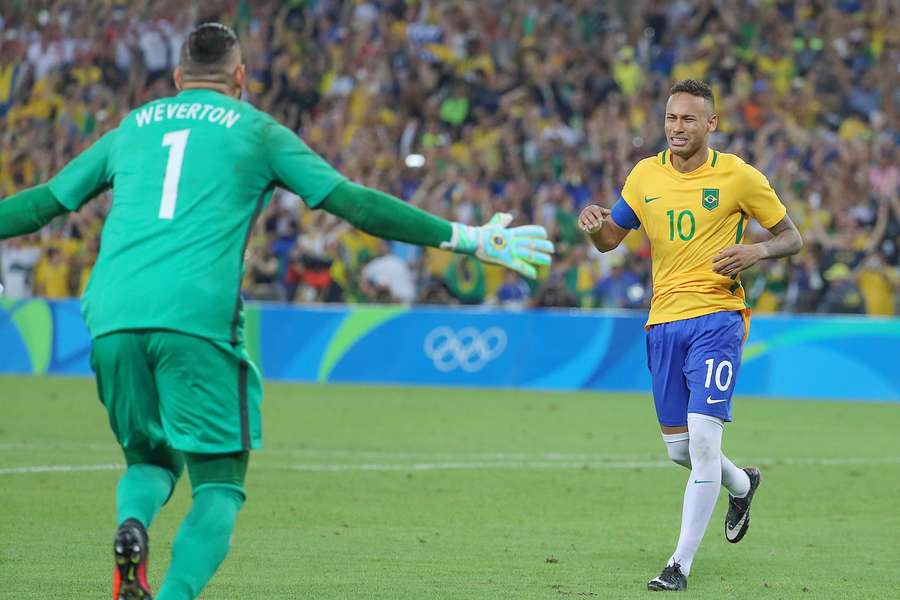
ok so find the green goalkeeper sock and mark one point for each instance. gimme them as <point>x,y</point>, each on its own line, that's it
<point>202,541</point>
<point>142,491</point>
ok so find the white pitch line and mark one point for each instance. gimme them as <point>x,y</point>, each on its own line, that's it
<point>60,469</point>
<point>405,460</point>
<point>534,465</point>
<point>463,465</point>
<point>481,466</point>
<point>368,455</point>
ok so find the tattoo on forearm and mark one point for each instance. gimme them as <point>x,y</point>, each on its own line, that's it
<point>786,242</point>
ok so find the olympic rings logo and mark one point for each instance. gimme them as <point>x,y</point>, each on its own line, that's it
<point>467,349</point>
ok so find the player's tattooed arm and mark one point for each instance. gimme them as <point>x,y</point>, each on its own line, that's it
<point>785,241</point>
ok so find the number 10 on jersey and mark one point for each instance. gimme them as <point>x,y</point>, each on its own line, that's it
<point>684,233</point>
<point>176,141</point>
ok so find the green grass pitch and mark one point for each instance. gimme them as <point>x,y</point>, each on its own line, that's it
<point>418,493</point>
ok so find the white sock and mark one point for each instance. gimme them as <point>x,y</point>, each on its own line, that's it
<point>677,447</point>
<point>734,479</point>
<point>702,488</point>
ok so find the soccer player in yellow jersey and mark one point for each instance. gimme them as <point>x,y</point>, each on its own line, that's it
<point>694,204</point>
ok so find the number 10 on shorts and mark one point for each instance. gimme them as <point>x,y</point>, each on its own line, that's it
<point>720,370</point>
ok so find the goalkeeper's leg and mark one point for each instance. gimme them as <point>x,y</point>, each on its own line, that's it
<point>202,542</point>
<point>127,388</point>
<point>146,485</point>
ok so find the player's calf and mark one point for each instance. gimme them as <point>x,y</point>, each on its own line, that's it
<point>131,549</point>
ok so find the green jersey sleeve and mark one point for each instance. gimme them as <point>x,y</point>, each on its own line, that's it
<point>87,175</point>
<point>298,168</point>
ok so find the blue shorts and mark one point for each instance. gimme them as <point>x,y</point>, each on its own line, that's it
<point>694,364</point>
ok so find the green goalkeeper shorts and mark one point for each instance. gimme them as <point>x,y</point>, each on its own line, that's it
<point>168,390</point>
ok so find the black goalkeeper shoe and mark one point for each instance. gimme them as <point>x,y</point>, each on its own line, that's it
<point>737,520</point>
<point>670,580</point>
<point>131,549</point>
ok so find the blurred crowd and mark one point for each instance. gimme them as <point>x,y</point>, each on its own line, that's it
<point>466,108</point>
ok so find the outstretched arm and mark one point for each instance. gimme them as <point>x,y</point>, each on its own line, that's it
<point>303,171</point>
<point>382,215</point>
<point>786,241</point>
<point>28,211</point>
<point>387,217</point>
<point>80,180</point>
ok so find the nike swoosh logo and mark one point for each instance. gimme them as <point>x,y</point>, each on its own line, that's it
<point>737,526</point>
<point>709,400</point>
<point>648,200</point>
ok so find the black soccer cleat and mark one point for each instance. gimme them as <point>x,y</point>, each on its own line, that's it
<point>131,549</point>
<point>737,520</point>
<point>670,580</point>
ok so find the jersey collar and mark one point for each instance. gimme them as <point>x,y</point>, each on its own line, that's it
<point>665,159</point>
<point>198,92</point>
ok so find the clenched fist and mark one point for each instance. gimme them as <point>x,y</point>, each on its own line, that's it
<point>592,217</point>
<point>731,261</point>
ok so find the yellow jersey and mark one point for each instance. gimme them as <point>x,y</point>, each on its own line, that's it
<point>689,218</point>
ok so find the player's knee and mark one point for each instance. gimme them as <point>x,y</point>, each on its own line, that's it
<point>164,458</point>
<point>677,446</point>
<point>224,500</point>
<point>680,454</point>
<point>218,471</point>
<point>703,447</point>
<point>705,439</point>
<point>702,451</point>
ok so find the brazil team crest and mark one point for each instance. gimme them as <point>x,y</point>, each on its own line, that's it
<point>710,198</point>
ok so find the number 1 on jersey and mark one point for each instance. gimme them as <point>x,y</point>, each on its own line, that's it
<point>176,140</point>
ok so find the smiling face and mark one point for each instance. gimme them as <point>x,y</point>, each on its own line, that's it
<point>689,121</point>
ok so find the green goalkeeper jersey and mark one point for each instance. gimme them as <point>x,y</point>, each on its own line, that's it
<point>190,174</point>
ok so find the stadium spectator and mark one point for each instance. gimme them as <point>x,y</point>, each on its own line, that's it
<point>878,283</point>
<point>463,112</point>
<point>52,275</point>
<point>843,295</point>
<point>17,266</point>
<point>618,288</point>
<point>389,274</point>
<point>513,292</point>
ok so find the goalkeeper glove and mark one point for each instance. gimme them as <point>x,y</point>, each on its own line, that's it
<point>517,248</point>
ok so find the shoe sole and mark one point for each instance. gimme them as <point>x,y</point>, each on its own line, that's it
<point>746,525</point>
<point>130,558</point>
<point>656,587</point>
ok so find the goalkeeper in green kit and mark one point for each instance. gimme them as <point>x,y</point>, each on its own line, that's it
<point>190,175</point>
